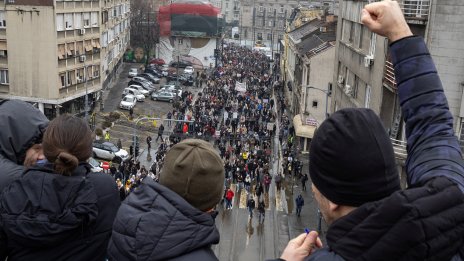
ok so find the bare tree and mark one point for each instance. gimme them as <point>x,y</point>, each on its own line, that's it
<point>144,27</point>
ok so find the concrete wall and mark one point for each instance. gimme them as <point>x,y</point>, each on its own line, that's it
<point>445,36</point>
<point>320,75</point>
<point>32,52</point>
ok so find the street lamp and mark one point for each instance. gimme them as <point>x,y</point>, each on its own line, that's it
<point>327,92</point>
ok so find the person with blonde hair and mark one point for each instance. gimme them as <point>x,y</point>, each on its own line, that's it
<point>59,210</point>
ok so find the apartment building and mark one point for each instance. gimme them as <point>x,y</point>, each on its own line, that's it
<point>364,73</point>
<point>56,52</point>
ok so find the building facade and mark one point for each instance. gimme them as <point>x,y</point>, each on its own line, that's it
<point>365,75</point>
<point>54,52</point>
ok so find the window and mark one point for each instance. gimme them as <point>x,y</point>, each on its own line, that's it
<point>3,53</point>
<point>260,36</point>
<point>68,21</point>
<point>269,37</point>
<point>180,41</point>
<point>63,80</point>
<point>94,19</point>
<point>104,16</point>
<point>60,22</point>
<point>78,20</point>
<point>315,104</point>
<point>68,78</point>
<point>86,20</point>
<point>2,19</point>
<point>4,77</point>
<point>270,23</point>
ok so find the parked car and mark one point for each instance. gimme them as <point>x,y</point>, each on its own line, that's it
<point>180,64</point>
<point>133,72</point>
<point>95,164</point>
<point>134,92</point>
<point>189,70</point>
<point>109,151</point>
<point>172,89</point>
<point>154,71</point>
<point>140,89</point>
<point>163,96</point>
<point>142,79</point>
<point>158,61</point>
<point>144,85</point>
<point>127,102</point>
<point>150,77</point>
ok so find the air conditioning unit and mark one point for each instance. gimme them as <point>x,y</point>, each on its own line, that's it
<point>82,58</point>
<point>368,60</point>
<point>348,90</point>
<point>340,79</point>
<point>81,31</point>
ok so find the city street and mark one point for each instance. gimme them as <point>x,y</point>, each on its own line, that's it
<point>242,238</point>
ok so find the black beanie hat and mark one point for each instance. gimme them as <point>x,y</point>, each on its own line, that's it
<point>352,160</point>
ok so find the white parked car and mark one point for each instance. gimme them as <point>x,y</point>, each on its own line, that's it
<point>189,70</point>
<point>134,92</point>
<point>165,70</point>
<point>128,102</point>
<point>140,89</point>
<point>133,72</point>
<point>109,151</point>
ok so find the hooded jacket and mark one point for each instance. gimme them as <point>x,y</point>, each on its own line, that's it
<point>426,221</point>
<point>155,223</point>
<point>21,126</point>
<point>47,216</point>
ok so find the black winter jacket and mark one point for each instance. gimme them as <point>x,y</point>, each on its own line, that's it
<point>21,126</point>
<point>46,216</point>
<point>155,223</point>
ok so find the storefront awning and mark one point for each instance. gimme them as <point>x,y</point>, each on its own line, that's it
<point>305,131</point>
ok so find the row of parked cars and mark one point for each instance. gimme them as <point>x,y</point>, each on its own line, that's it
<point>141,85</point>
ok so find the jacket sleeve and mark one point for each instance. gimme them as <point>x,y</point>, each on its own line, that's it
<point>10,172</point>
<point>432,148</point>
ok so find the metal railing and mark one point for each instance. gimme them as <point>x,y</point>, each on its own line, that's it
<point>389,75</point>
<point>416,9</point>
<point>399,147</point>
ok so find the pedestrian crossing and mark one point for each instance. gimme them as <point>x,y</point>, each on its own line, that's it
<point>242,197</point>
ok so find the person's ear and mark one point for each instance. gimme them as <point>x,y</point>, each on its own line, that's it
<point>333,207</point>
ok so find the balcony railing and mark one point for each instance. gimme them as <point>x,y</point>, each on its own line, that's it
<point>415,9</point>
<point>389,75</point>
<point>399,147</point>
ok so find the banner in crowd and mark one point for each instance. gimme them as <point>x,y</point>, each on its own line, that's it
<point>240,87</point>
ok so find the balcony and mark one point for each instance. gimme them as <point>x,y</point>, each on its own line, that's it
<point>389,76</point>
<point>416,11</point>
<point>259,13</point>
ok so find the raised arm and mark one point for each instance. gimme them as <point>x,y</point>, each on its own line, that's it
<point>433,150</point>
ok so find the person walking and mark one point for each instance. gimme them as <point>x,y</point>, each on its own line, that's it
<point>299,204</point>
<point>304,178</point>
<point>267,182</point>
<point>160,132</point>
<point>251,204</point>
<point>354,173</point>
<point>107,136</point>
<point>149,143</point>
<point>278,181</point>
<point>261,210</point>
<point>169,117</point>
<point>229,196</point>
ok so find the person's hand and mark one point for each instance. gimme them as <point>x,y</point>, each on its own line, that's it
<point>386,18</point>
<point>302,246</point>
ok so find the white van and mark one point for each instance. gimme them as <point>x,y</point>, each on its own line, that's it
<point>131,91</point>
